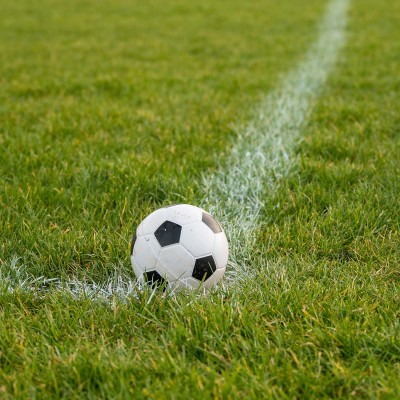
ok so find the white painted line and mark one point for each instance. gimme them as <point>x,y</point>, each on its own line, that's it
<point>261,157</point>
<point>263,154</point>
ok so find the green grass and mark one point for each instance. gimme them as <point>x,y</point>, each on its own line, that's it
<point>110,111</point>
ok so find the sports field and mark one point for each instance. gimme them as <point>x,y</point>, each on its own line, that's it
<point>280,118</point>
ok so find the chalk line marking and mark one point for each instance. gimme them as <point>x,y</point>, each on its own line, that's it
<point>262,156</point>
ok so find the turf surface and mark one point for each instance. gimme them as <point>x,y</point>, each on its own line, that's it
<point>109,111</point>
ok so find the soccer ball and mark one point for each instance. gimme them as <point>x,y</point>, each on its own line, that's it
<point>179,246</point>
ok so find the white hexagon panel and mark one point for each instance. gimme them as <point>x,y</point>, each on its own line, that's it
<point>175,262</point>
<point>220,250</point>
<point>183,214</point>
<point>145,253</point>
<point>198,238</point>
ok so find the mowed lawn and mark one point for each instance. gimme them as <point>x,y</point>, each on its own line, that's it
<point>111,110</point>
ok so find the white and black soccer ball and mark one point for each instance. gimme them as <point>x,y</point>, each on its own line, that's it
<point>179,246</point>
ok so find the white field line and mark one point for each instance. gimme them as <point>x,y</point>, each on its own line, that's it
<point>261,157</point>
<point>263,154</point>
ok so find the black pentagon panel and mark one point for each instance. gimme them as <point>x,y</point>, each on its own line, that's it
<point>168,233</point>
<point>133,243</point>
<point>211,223</point>
<point>204,268</point>
<point>154,279</point>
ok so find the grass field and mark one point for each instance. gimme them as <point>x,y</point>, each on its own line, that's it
<point>111,110</point>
